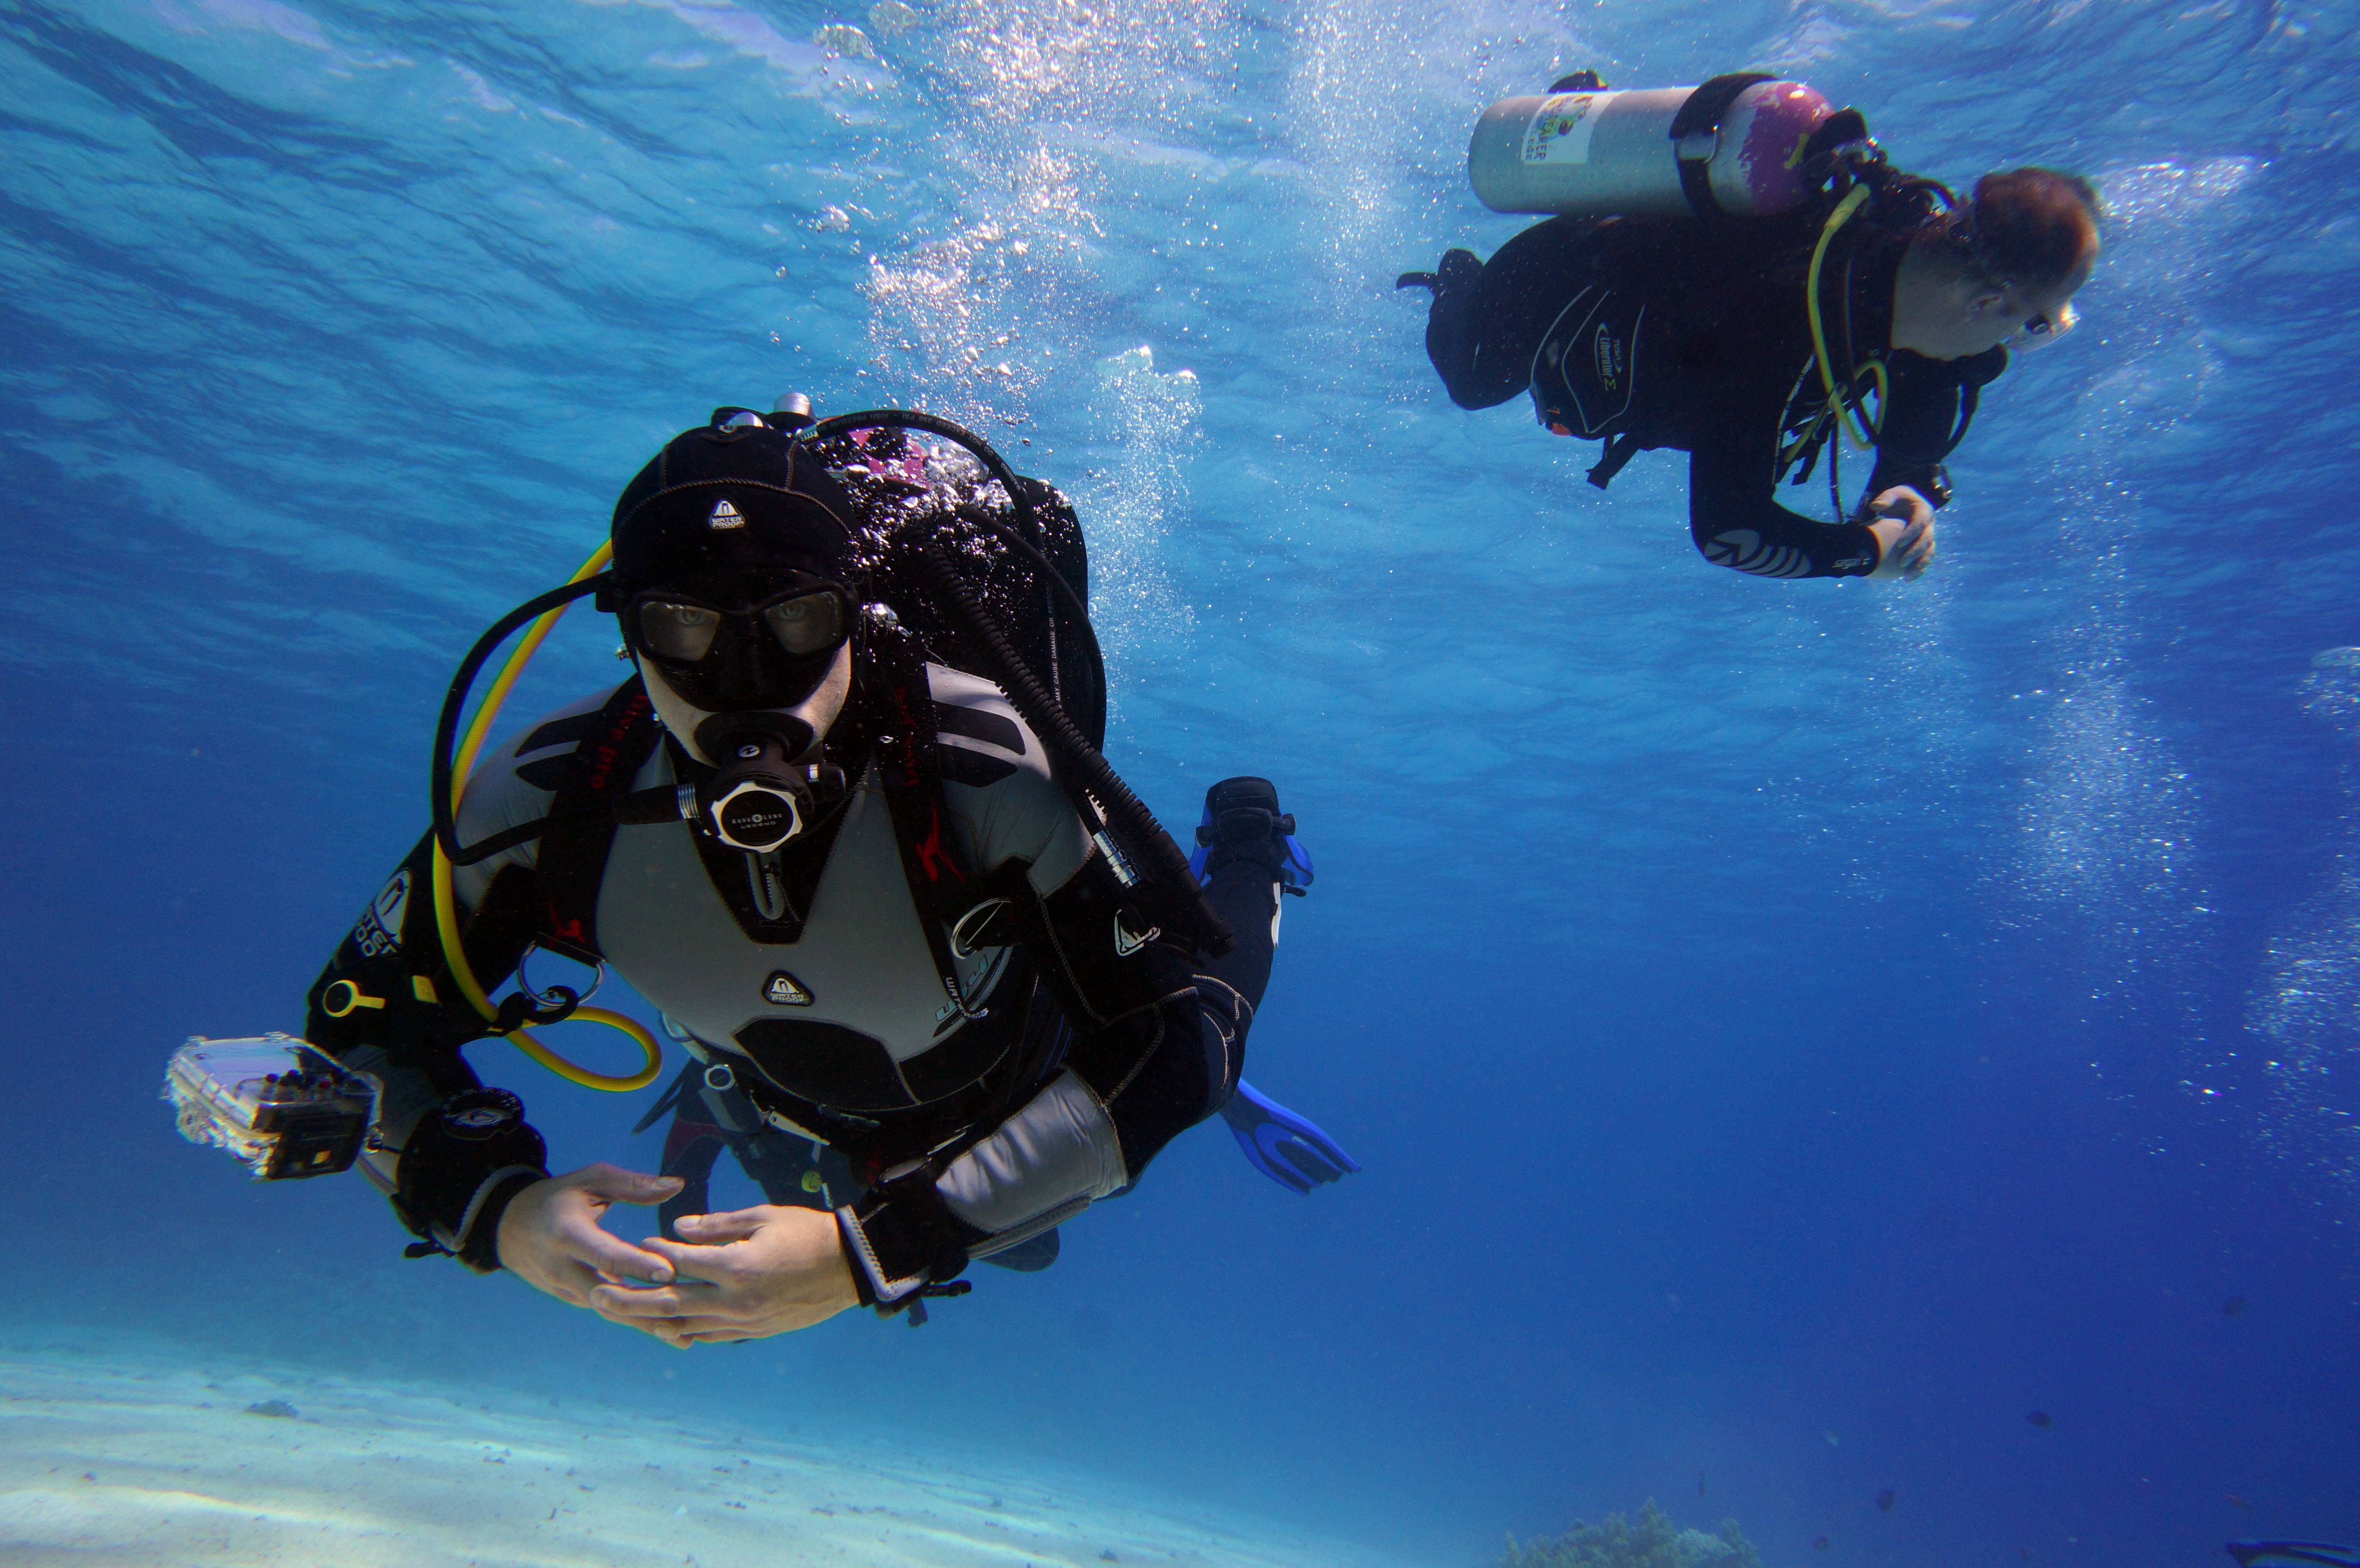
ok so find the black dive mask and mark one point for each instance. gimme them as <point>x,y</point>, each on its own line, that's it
<point>741,643</point>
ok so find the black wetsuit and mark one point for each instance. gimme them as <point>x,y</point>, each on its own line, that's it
<point>1694,335</point>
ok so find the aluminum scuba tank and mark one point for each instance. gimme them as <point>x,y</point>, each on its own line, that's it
<point>1731,147</point>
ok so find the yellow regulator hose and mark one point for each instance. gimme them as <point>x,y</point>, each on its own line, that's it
<point>1862,435</point>
<point>446,903</point>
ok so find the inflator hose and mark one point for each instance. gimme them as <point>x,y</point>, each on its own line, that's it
<point>506,1016</point>
<point>1180,902</point>
<point>446,726</point>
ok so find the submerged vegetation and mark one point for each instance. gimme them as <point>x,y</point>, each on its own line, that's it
<point>1651,1541</point>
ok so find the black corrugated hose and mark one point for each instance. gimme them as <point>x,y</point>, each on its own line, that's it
<point>1167,889</point>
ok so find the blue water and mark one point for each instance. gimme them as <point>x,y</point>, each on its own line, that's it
<point>1793,1031</point>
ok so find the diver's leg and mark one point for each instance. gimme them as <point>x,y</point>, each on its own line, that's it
<point>1487,319</point>
<point>786,1167</point>
<point>1252,862</point>
<point>1249,860</point>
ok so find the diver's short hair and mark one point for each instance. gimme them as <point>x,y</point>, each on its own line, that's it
<point>2027,228</point>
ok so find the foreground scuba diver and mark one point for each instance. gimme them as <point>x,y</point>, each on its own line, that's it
<point>1736,271</point>
<point>944,981</point>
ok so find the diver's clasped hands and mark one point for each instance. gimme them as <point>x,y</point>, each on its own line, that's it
<point>743,1274</point>
<point>1904,526</point>
<point>746,1274</point>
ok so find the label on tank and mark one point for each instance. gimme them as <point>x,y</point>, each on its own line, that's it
<point>1560,129</point>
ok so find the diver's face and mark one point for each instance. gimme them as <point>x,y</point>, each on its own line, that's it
<point>1956,316</point>
<point>820,709</point>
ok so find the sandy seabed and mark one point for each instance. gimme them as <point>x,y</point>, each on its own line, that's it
<point>126,1460</point>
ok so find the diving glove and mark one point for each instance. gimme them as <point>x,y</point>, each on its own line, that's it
<point>1283,1146</point>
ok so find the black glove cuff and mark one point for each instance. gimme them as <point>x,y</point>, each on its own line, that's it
<point>465,1161</point>
<point>480,1248</point>
<point>901,1237</point>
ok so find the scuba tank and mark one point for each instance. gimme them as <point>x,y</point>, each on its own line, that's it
<point>1732,147</point>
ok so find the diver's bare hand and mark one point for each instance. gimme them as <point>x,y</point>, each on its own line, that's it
<point>744,1275</point>
<point>551,1237</point>
<point>1904,532</point>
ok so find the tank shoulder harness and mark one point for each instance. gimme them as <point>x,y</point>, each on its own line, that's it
<point>572,863</point>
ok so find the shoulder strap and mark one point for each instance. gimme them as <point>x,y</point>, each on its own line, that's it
<point>572,862</point>
<point>902,726</point>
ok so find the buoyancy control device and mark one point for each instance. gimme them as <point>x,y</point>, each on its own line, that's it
<point>1736,146</point>
<point>998,588</point>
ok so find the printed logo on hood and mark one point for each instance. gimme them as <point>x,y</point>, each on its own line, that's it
<point>783,990</point>
<point>724,516</point>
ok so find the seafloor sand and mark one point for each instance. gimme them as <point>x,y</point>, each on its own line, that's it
<point>109,1460</point>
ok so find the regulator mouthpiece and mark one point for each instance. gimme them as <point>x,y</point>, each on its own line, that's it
<point>766,787</point>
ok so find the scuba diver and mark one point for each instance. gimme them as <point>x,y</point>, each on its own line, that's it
<point>1735,270</point>
<point>942,980</point>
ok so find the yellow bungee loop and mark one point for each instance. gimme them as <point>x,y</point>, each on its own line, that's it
<point>446,903</point>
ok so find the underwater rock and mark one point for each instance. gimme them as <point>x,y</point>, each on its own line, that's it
<point>279,1408</point>
<point>892,17</point>
<point>1652,1540</point>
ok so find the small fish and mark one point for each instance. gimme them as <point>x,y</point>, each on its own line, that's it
<point>2039,1418</point>
<point>2025,1552</point>
<point>2238,1501</point>
<point>1700,1483</point>
<point>1885,1501</point>
<point>1821,1543</point>
<point>278,1407</point>
<point>1833,1439</point>
<point>2233,1305</point>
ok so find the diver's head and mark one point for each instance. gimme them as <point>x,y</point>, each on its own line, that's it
<point>2000,268</point>
<point>733,576</point>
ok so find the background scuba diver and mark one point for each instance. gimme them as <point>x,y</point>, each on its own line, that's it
<point>796,832</point>
<point>1697,334</point>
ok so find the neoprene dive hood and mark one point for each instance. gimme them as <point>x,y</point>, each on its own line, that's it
<point>1736,146</point>
<point>733,566</point>
<point>783,509</point>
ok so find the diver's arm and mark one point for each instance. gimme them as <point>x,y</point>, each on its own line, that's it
<point>1734,517</point>
<point>388,1005</point>
<point>1151,1058</point>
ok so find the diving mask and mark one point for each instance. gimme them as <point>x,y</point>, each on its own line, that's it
<point>2044,328</point>
<point>724,650</point>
